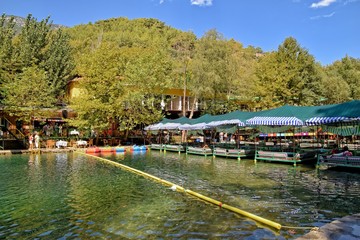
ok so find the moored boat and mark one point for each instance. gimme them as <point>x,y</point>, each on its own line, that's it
<point>107,149</point>
<point>92,150</point>
<point>136,148</point>
<point>119,149</point>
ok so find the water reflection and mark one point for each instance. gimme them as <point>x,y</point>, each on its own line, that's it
<point>75,196</point>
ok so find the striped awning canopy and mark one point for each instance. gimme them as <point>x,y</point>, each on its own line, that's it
<point>275,121</point>
<point>153,127</point>
<point>324,120</point>
<point>198,126</point>
<point>226,122</point>
<point>347,113</point>
<point>170,126</point>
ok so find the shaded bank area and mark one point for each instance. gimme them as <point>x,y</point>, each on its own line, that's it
<point>344,228</point>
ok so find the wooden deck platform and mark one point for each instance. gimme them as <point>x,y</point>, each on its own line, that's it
<point>234,153</point>
<point>199,151</point>
<point>339,161</point>
<point>174,148</point>
<point>286,157</point>
<point>156,146</point>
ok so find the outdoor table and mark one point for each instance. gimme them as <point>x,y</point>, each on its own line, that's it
<point>74,132</point>
<point>81,143</point>
<point>61,143</point>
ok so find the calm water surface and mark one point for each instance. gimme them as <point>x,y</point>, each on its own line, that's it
<point>72,196</point>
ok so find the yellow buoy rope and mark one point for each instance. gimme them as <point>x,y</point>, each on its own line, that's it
<point>198,195</point>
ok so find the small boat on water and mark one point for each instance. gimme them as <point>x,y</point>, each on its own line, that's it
<point>107,149</point>
<point>92,150</point>
<point>136,148</point>
<point>119,149</point>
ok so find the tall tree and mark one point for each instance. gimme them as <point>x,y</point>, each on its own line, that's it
<point>182,50</point>
<point>39,58</point>
<point>28,94</point>
<point>7,33</point>
<point>222,73</point>
<point>58,62</point>
<point>209,69</point>
<point>291,73</point>
<point>349,70</point>
<point>32,41</point>
<point>121,84</point>
<point>334,88</point>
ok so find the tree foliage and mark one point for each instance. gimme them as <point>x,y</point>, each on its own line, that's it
<point>122,73</point>
<point>220,73</point>
<point>123,67</point>
<point>288,76</point>
<point>36,65</point>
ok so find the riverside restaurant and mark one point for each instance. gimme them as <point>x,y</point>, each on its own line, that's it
<point>288,134</point>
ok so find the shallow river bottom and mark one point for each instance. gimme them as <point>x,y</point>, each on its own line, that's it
<point>73,196</point>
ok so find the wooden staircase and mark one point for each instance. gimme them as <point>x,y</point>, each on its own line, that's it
<point>15,139</point>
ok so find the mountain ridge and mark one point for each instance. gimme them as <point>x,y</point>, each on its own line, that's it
<point>20,22</point>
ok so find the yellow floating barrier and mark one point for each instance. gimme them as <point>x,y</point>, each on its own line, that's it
<point>198,195</point>
<point>236,210</point>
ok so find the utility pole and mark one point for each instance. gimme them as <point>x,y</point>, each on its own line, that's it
<point>183,135</point>
<point>184,97</point>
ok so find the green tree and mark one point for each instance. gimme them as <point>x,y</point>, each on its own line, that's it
<point>58,62</point>
<point>7,33</point>
<point>38,63</point>
<point>222,73</point>
<point>209,68</point>
<point>349,70</point>
<point>119,85</point>
<point>334,88</point>
<point>32,41</point>
<point>182,50</point>
<point>289,75</point>
<point>28,94</point>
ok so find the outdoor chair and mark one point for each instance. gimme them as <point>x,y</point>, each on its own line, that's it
<point>50,143</point>
<point>91,142</point>
<point>73,143</point>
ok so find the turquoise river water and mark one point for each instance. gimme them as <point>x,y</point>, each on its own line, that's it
<point>74,196</point>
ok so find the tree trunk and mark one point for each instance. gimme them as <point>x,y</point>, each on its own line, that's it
<point>193,107</point>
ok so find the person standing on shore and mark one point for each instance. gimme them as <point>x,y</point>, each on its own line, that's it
<point>37,140</point>
<point>31,138</point>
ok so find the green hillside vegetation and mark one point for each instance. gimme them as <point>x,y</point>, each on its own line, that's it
<point>123,64</point>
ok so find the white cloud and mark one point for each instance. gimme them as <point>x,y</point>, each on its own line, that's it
<point>322,3</point>
<point>201,2</point>
<point>323,16</point>
<point>329,15</point>
<point>162,1</point>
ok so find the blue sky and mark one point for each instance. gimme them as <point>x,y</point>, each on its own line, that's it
<point>328,29</point>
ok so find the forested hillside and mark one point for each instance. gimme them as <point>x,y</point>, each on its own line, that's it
<point>123,65</point>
